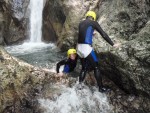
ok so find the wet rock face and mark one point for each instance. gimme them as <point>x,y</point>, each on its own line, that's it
<point>14,16</point>
<point>63,17</point>
<point>15,20</point>
<point>18,8</point>
<point>124,18</point>
<point>1,23</point>
<point>54,19</point>
<point>1,29</point>
<point>127,66</point>
<point>20,85</point>
<point>74,11</point>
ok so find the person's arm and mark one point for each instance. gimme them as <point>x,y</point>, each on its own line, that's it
<point>59,64</point>
<point>103,34</point>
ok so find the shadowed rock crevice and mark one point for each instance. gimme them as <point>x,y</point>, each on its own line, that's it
<point>112,66</point>
<point>15,21</point>
<point>53,20</point>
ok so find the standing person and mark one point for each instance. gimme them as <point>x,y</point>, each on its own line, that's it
<point>68,63</point>
<point>85,50</point>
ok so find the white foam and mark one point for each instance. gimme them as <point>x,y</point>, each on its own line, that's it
<point>28,48</point>
<point>77,101</point>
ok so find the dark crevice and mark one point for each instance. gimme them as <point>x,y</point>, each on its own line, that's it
<point>112,67</point>
<point>53,16</point>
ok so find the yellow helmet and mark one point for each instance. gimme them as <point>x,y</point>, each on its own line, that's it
<point>71,51</point>
<point>92,14</point>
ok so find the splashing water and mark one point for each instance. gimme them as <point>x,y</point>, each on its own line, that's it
<point>36,7</point>
<point>73,100</point>
<point>27,48</point>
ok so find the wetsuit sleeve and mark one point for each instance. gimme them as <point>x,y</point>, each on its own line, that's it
<point>63,62</point>
<point>103,34</point>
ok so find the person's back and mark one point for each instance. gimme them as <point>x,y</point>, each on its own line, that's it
<point>86,29</point>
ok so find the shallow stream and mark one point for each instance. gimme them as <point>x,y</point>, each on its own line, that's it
<point>70,99</point>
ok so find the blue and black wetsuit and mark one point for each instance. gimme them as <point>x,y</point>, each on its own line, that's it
<point>86,29</point>
<point>69,65</point>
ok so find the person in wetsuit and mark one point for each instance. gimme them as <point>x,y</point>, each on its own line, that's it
<point>68,63</point>
<point>85,50</point>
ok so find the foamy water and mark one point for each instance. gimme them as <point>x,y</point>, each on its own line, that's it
<point>27,48</point>
<point>73,100</point>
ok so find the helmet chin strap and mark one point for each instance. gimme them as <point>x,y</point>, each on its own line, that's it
<point>90,18</point>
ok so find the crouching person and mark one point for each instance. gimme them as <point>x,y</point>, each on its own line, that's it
<point>68,64</point>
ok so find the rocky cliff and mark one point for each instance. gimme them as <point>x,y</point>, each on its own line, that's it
<point>14,21</point>
<point>126,22</point>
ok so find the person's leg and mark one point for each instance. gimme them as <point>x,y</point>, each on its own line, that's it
<point>93,60</point>
<point>83,70</point>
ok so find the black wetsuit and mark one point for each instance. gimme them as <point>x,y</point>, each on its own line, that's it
<point>86,29</point>
<point>69,65</point>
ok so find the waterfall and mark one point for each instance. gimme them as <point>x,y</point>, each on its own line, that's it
<point>36,9</point>
<point>32,50</point>
<point>72,100</point>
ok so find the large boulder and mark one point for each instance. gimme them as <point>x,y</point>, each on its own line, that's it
<point>20,84</point>
<point>127,23</point>
<point>129,66</point>
<point>124,18</point>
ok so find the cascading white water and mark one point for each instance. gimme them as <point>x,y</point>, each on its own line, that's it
<point>73,100</point>
<point>36,9</point>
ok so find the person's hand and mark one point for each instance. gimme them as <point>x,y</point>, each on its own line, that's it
<point>94,33</point>
<point>117,45</point>
<point>60,74</point>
